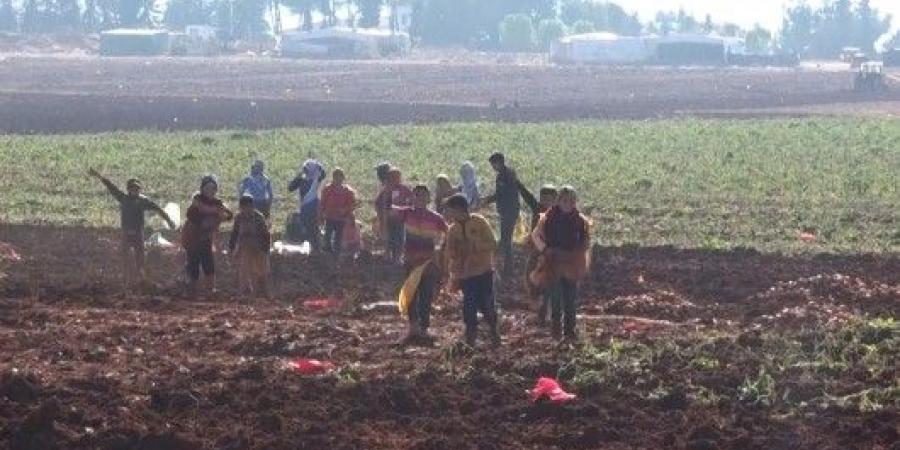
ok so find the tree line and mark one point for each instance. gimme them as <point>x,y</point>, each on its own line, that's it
<point>496,24</point>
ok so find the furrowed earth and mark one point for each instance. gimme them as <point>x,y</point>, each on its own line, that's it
<point>702,346</point>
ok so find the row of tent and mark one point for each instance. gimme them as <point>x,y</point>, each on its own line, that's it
<point>674,49</point>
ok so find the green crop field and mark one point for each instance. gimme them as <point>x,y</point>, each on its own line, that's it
<point>688,183</point>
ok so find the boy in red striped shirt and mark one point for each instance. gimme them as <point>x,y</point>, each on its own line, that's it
<point>425,231</point>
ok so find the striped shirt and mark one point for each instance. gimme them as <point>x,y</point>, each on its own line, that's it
<point>424,231</point>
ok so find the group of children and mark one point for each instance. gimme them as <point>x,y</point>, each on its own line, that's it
<point>448,244</point>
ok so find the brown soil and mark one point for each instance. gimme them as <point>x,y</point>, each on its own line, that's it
<point>87,94</point>
<point>85,368</point>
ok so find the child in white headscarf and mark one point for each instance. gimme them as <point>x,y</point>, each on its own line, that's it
<point>307,183</point>
<point>258,186</point>
<point>469,185</point>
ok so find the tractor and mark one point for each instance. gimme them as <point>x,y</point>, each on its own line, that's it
<point>870,77</point>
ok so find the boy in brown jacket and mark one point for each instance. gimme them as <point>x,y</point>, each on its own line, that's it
<point>563,236</point>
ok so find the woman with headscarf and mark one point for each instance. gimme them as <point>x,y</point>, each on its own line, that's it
<point>199,233</point>
<point>469,186</point>
<point>305,223</point>
<point>258,186</point>
<point>443,189</point>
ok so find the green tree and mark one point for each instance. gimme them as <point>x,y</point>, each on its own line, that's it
<point>582,27</point>
<point>8,20</point>
<point>549,32</point>
<point>369,12</point>
<point>604,16</point>
<point>242,19</point>
<point>797,28</point>
<point>136,13</point>
<point>181,13</point>
<point>517,33</point>
<point>870,26</point>
<point>708,25</point>
<point>758,40</point>
<point>305,9</point>
<point>686,23</point>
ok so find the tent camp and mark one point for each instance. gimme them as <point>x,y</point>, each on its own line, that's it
<point>690,49</point>
<point>134,42</point>
<point>600,48</point>
<point>343,43</point>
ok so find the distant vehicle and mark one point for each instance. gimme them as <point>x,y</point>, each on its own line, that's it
<point>848,53</point>
<point>858,59</point>
<point>870,77</point>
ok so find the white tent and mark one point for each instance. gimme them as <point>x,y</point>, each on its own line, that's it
<point>600,48</point>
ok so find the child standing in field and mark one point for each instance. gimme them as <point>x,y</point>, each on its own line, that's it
<point>442,191</point>
<point>382,172</point>
<point>304,226</point>
<point>469,185</point>
<point>425,230</point>
<point>548,196</point>
<point>470,254</point>
<point>249,246</point>
<point>506,196</point>
<point>199,233</point>
<point>336,211</point>
<point>258,186</point>
<point>563,237</point>
<point>132,206</point>
<point>394,193</point>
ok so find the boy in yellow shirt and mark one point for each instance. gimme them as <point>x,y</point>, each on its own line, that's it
<point>470,253</point>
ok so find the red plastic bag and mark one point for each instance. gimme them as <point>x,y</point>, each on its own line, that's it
<point>550,389</point>
<point>9,253</point>
<point>320,303</point>
<point>305,366</point>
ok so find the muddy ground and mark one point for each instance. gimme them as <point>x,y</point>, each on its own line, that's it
<point>90,94</point>
<point>84,367</point>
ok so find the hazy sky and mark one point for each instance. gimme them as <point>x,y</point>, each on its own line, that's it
<point>746,13</point>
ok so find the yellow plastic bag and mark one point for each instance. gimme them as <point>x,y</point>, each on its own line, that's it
<point>522,234</point>
<point>410,286</point>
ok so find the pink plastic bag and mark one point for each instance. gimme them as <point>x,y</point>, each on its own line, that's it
<point>320,303</point>
<point>550,389</point>
<point>305,366</point>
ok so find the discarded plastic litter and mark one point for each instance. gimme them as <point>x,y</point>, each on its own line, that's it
<point>156,240</point>
<point>282,248</point>
<point>174,213</point>
<point>550,389</point>
<point>320,303</point>
<point>311,366</point>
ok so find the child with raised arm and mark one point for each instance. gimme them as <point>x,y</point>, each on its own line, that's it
<point>563,236</point>
<point>132,206</point>
<point>199,233</point>
<point>249,246</point>
<point>470,255</point>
